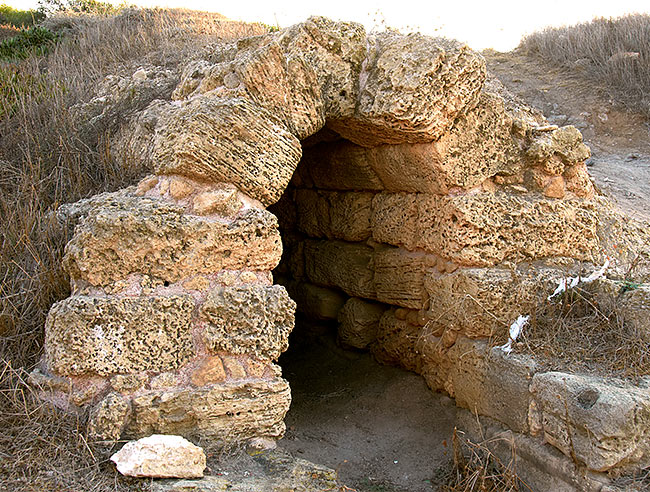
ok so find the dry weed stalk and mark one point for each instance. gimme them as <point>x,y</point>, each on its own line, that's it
<point>476,468</point>
<point>615,51</point>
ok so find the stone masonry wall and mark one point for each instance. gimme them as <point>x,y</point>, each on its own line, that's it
<point>420,204</point>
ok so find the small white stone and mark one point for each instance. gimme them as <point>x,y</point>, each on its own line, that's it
<point>160,456</point>
<point>140,74</point>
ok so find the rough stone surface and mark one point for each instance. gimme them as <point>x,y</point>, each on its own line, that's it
<point>104,335</point>
<point>229,412</point>
<point>399,277</point>
<point>358,322</point>
<point>254,320</point>
<point>414,98</point>
<point>142,235</point>
<point>108,418</point>
<point>595,422</point>
<point>160,456</point>
<point>347,266</point>
<point>227,140</point>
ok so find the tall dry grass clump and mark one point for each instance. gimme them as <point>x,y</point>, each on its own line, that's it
<point>48,158</point>
<point>615,51</point>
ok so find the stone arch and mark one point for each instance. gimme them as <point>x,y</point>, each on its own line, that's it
<point>446,200</point>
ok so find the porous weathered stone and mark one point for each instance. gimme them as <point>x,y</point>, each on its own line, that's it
<point>222,413</point>
<point>108,418</point>
<point>111,335</point>
<point>603,425</point>
<point>335,51</point>
<point>334,215</point>
<point>394,219</point>
<point>124,235</point>
<point>230,140</point>
<point>399,277</point>
<point>358,322</point>
<point>209,370</point>
<point>160,456</point>
<point>483,229</point>
<point>396,343</point>
<point>413,98</point>
<point>253,319</point>
<point>480,302</point>
<point>347,266</point>
<point>222,202</point>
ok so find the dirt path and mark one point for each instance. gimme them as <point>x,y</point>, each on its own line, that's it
<point>380,427</point>
<point>619,140</point>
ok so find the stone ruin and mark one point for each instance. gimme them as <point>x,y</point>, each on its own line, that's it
<point>418,203</point>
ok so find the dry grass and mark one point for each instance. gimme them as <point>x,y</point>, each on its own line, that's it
<point>476,469</point>
<point>585,330</point>
<point>614,51</point>
<point>46,159</point>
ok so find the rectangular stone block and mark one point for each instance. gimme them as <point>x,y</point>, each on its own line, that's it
<point>490,383</point>
<point>399,277</point>
<point>358,322</point>
<point>112,335</point>
<point>600,423</point>
<point>480,302</point>
<point>396,343</point>
<point>315,301</point>
<point>394,219</point>
<point>124,235</point>
<point>484,229</point>
<point>222,413</point>
<point>252,319</point>
<point>334,215</point>
<point>348,266</point>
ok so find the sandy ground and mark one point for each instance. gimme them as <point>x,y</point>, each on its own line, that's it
<point>380,427</point>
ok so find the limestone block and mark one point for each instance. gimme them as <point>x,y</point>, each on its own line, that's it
<point>224,413</point>
<point>315,301</point>
<point>209,370</point>
<point>110,335</point>
<point>252,319</point>
<point>339,166</point>
<point>313,211</point>
<point>160,456</point>
<point>140,235</point>
<point>565,142</point>
<point>490,383</point>
<point>399,277</point>
<point>413,98</point>
<point>348,266</point>
<point>396,343</point>
<point>394,219</point>
<point>481,302</point>
<point>483,229</point>
<point>358,322</point>
<point>599,423</point>
<point>230,140</point>
<point>335,51</point>
<point>108,418</point>
<point>334,215</point>
<point>287,87</point>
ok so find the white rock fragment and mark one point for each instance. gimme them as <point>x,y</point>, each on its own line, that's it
<point>160,456</point>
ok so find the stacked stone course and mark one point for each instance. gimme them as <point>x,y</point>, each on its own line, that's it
<point>421,206</point>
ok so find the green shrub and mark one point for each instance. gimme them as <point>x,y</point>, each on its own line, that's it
<point>20,18</point>
<point>81,6</point>
<point>33,41</point>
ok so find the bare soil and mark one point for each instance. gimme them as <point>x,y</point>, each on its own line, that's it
<point>380,427</point>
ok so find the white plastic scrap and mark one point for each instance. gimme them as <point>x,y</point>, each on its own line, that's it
<point>564,284</point>
<point>569,283</point>
<point>515,330</point>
